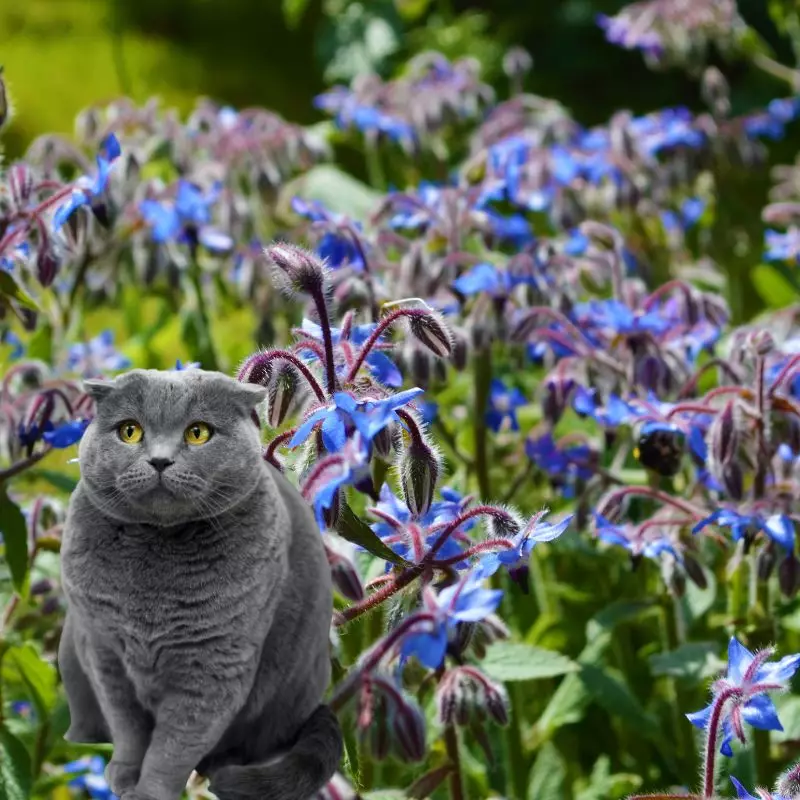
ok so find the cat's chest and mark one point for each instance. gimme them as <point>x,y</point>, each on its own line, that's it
<point>145,586</point>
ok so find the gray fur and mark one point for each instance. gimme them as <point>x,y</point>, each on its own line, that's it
<point>197,629</point>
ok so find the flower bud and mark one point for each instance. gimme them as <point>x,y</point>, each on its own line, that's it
<point>789,575</point>
<point>19,179</point>
<point>459,356</point>
<point>343,571</point>
<point>43,586</point>
<point>282,391</point>
<point>382,444</point>
<point>715,92</point>
<point>733,481</point>
<point>378,728</point>
<point>694,571</point>
<point>298,270</point>
<point>496,701</point>
<point>46,265</point>
<point>408,727</point>
<point>430,329</point>
<point>256,369</point>
<point>788,784</point>
<point>765,561</point>
<point>517,62</point>
<point>723,434</point>
<point>557,391</point>
<point>419,471</point>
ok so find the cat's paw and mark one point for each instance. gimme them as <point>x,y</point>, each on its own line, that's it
<point>122,777</point>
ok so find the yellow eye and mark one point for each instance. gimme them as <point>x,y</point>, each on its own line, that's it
<point>130,432</point>
<point>197,433</point>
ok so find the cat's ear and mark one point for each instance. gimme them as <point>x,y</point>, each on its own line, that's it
<point>98,388</point>
<point>249,395</point>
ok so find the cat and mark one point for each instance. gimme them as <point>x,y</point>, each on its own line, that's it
<point>199,597</point>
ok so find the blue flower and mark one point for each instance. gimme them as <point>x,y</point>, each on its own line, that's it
<point>9,337</point>
<point>503,404</point>
<point>615,317</point>
<point>777,527</point>
<point>186,217</point>
<point>179,366</point>
<point>381,367</point>
<point>649,543</point>
<point>465,601</point>
<point>514,229</point>
<point>783,246</point>
<point>19,252</point>
<point>566,464</point>
<point>93,778</point>
<point>96,357</point>
<point>576,243</point>
<point>337,248</point>
<point>743,794</point>
<point>65,434</point>
<point>87,189</point>
<point>519,555</point>
<point>750,676</point>
<point>369,417</point>
<point>349,470</point>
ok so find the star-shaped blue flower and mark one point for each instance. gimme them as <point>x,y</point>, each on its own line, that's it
<point>465,601</point>
<point>777,527</point>
<point>749,677</point>
<point>503,405</point>
<point>369,417</point>
<point>87,189</point>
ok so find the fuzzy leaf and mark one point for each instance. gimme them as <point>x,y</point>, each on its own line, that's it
<point>355,530</point>
<point>15,767</point>
<point>15,539</point>
<point>517,661</point>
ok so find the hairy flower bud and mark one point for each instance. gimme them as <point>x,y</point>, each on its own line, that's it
<point>723,434</point>
<point>419,472</point>
<point>282,391</point>
<point>43,586</point>
<point>343,569</point>
<point>408,727</point>
<point>694,571</point>
<point>715,92</point>
<point>517,62</point>
<point>296,269</point>
<point>459,356</point>
<point>557,391</point>
<point>788,784</point>
<point>431,330</point>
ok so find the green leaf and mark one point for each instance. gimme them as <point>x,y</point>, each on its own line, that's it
<point>693,661</point>
<point>612,693</point>
<point>355,530</point>
<point>39,676</point>
<point>15,539</point>
<point>15,767</point>
<point>41,344</point>
<point>10,288</point>
<point>570,701</point>
<point>774,285</point>
<point>64,483</point>
<point>696,601</point>
<point>603,785</point>
<point>293,11</point>
<point>336,190</point>
<point>548,775</point>
<point>517,661</point>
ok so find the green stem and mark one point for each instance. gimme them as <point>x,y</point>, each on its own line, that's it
<point>517,763</point>
<point>482,374</point>
<point>456,780</point>
<point>204,352</point>
<point>372,159</point>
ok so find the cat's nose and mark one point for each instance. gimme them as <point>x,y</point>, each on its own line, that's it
<point>160,464</point>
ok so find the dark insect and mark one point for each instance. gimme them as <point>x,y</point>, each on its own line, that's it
<point>660,448</point>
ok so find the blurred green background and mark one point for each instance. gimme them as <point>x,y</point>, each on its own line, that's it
<point>63,55</point>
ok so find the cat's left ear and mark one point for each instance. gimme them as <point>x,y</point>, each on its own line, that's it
<point>249,394</point>
<point>98,388</point>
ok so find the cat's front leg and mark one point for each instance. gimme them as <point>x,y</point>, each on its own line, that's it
<point>129,723</point>
<point>188,725</point>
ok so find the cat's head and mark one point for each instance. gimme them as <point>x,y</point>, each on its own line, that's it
<point>170,447</point>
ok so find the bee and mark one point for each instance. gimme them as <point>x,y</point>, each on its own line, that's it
<point>660,448</point>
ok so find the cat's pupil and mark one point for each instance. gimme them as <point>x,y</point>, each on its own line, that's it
<point>196,431</point>
<point>129,430</point>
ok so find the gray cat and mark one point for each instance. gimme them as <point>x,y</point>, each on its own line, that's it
<point>199,597</point>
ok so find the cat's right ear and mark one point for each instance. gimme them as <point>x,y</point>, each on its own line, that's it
<point>98,388</point>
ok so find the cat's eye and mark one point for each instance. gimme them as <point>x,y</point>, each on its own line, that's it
<point>197,433</point>
<point>130,431</point>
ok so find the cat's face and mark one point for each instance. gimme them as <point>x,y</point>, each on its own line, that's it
<point>170,447</point>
